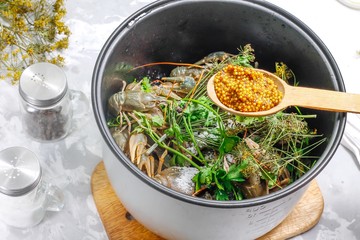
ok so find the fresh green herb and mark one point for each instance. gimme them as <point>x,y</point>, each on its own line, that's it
<point>231,153</point>
<point>228,144</point>
<point>114,121</point>
<point>198,111</point>
<point>221,181</point>
<point>245,57</point>
<point>145,85</point>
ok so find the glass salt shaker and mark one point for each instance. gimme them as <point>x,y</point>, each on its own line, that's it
<point>45,102</point>
<point>24,195</point>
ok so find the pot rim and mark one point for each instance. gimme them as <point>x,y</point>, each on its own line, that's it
<point>110,143</point>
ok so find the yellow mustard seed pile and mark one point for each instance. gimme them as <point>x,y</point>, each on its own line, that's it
<point>245,89</point>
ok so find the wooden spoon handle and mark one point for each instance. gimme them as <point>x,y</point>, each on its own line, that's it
<point>322,99</point>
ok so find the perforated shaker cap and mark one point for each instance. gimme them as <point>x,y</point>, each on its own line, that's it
<point>42,84</point>
<point>20,171</point>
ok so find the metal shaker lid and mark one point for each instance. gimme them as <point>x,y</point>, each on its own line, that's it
<point>43,84</point>
<point>20,171</point>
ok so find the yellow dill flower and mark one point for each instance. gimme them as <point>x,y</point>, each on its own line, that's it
<point>58,60</point>
<point>283,72</point>
<point>31,31</point>
<point>9,74</point>
<point>25,56</point>
<point>41,22</point>
<point>5,56</point>
<point>61,44</point>
<point>30,50</point>
<point>15,52</point>
<point>16,75</point>
<point>20,24</point>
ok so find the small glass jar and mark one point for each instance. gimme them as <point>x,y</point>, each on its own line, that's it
<point>24,196</point>
<point>45,102</point>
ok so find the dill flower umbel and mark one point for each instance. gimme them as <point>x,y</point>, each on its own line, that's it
<point>31,31</point>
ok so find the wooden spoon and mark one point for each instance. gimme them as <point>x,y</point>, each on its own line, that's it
<point>297,96</point>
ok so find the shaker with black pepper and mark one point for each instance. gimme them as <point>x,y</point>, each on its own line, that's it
<point>45,102</point>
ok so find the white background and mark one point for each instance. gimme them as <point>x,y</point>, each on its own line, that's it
<point>69,163</point>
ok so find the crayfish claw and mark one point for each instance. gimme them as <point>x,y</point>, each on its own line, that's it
<point>137,144</point>
<point>147,163</point>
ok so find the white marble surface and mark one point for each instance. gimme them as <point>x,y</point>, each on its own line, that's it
<point>70,162</point>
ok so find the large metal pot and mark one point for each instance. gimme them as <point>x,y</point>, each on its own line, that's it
<point>185,31</point>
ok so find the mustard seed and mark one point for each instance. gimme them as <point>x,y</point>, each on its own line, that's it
<point>245,89</point>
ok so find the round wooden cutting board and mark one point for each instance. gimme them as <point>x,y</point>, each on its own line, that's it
<point>119,224</point>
